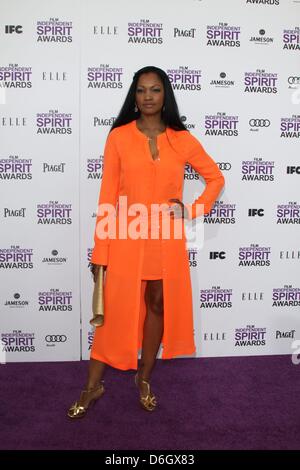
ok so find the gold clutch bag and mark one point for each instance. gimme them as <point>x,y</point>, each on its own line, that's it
<point>98,300</point>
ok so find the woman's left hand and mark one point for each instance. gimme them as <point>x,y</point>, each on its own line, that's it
<point>178,210</point>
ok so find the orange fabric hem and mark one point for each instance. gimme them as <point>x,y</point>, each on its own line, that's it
<point>121,367</point>
<point>172,355</point>
<point>149,278</point>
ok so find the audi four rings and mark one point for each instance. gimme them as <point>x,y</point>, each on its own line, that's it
<point>259,122</point>
<point>56,338</point>
<point>224,165</point>
<point>294,80</point>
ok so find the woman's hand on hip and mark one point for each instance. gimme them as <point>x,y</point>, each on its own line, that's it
<point>178,210</point>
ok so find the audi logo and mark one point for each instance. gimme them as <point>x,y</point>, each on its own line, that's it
<point>259,122</point>
<point>224,165</point>
<point>56,338</point>
<point>294,80</point>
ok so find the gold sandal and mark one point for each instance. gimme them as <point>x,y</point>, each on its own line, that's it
<point>149,401</point>
<point>79,411</point>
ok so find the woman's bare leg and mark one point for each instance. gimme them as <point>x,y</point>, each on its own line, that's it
<point>152,331</point>
<point>95,374</point>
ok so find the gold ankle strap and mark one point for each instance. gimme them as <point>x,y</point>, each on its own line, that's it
<point>143,380</point>
<point>95,388</point>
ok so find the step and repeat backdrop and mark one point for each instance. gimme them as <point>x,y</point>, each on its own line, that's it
<point>65,68</point>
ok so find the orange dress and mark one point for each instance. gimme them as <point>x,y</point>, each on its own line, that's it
<point>130,174</point>
<point>152,260</point>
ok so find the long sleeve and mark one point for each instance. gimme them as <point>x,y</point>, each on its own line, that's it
<point>207,168</point>
<point>108,195</point>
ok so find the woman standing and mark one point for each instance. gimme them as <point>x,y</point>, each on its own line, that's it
<point>147,289</point>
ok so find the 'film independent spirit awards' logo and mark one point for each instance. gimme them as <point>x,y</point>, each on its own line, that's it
<point>18,341</point>
<point>145,32</point>
<point>216,297</point>
<point>193,256</point>
<point>54,212</point>
<point>290,127</point>
<point>94,168</point>
<point>16,257</point>
<point>263,2</point>
<point>90,339</point>
<point>190,174</point>
<point>15,168</point>
<point>54,122</point>
<point>15,76</point>
<point>223,35</point>
<point>291,39</point>
<point>250,336</point>
<point>89,256</point>
<point>55,300</point>
<point>185,78</point>
<point>254,255</point>
<point>221,124</point>
<point>286,296</point>
<point>54,30</point>
<point>260,81</point>
<point>105,76</point>
<point>221,213</point>
<point>257,170</point>
<point>288,213</point>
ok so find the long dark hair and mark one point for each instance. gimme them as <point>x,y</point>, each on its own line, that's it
<point>169,114</point>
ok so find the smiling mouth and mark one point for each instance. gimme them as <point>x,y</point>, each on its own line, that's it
<point>148,105</point>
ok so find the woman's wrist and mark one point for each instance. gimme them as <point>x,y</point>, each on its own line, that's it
<point>182,211</point>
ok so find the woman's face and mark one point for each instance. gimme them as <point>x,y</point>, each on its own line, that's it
<point>149,94</point>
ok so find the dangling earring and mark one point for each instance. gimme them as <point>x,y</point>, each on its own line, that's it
<point>163,108</point>
<point>136,108</point>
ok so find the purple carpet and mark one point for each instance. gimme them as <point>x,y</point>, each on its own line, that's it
<point>210,403</point>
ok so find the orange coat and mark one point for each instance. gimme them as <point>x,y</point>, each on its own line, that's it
<point>129,170</point>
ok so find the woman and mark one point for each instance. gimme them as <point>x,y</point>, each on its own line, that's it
<point>147,289</point>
